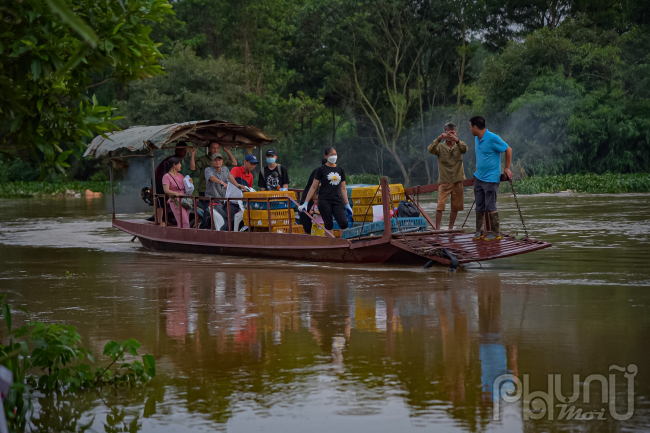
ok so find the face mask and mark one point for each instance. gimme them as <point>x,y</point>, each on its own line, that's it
<point>331,159</point>
<point>270,160</point>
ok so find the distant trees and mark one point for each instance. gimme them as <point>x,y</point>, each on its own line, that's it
<point>565,82</point>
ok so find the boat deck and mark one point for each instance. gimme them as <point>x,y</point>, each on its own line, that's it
<point>465,249</point>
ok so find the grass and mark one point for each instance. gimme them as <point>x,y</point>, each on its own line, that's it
<point>40,189</point>
<point>590,183</point>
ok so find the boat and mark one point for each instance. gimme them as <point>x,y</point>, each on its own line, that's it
<point>448,247</point>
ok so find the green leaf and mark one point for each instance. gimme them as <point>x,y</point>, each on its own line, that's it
<point>6,313</point>
<point>36,69</point>
<point>149,365</point>
<point>76,23</point>
<point>109,46</point>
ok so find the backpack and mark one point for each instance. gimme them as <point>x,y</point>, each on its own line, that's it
<point>406,209</point>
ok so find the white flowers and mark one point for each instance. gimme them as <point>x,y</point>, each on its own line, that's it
<point>334,178</point>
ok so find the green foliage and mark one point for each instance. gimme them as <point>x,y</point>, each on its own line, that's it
<point>54,352</point>
<point>46,69</point>
<point>368,178</point>
<point>607,183</point>
<point>576,97</point>
<point>39,189</point>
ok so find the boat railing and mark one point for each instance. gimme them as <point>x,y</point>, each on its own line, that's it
<point>194,199</point>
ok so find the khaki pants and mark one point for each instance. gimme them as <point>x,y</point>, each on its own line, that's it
<point>456,192</point>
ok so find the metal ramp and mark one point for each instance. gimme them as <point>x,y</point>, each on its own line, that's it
<point>464,248</point>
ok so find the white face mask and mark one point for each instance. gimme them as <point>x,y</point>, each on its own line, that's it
<point>331,159</point>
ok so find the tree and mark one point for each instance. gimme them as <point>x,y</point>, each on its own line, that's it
<point>193,88</point>
<point>377,67</point>
<point>48,69</point>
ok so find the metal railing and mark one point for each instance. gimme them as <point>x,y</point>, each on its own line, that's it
<point>194,199</point>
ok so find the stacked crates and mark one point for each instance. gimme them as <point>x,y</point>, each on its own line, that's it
<point>363,199</point>
<point>260,218</point>
<point>277,199</point>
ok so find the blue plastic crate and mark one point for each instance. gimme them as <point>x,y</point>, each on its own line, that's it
<point>377,227</point>
<point>351,233</point>
<point>408,223</point>
<point>275,204</point>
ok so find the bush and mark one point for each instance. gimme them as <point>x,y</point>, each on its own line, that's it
<point>585,183</point>
<point>372,179</point>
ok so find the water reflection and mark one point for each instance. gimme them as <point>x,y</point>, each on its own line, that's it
<point>244,344</point>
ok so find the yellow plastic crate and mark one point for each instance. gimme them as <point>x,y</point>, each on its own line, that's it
<point>264,214</point>
<point>297,229</point>
<point>317,231</point>
<point>362,210</point>
<point>260,218</point>
<point>268,194</point>
<point>369,191</point>
<point>360,218</point>
<point>366,201</point>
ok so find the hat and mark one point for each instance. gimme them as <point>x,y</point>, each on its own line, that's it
<point>271,152</point>
<point>215,156</point>
<point>251,158</point>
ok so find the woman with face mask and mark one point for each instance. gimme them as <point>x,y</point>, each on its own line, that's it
<point>332,197</point>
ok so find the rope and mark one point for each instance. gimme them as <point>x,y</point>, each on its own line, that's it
<point>468,214</point>
<point>512,187</point>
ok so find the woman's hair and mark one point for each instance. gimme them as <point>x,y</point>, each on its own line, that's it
<point>171,162</point>
<point>329,150</point>
<point>323,161</point>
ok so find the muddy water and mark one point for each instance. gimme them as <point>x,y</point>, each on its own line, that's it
<point>259,345</point>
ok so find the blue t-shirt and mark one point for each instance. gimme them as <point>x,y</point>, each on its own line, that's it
<point>488,157</point>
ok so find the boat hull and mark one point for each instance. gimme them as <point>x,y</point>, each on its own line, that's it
<point>411,250</point>
<point>263,245</point>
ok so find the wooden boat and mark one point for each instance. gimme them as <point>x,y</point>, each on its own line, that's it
<point>405,248</point>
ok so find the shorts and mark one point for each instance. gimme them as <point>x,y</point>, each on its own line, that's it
<point>485,194</point>
<point>456,192</point>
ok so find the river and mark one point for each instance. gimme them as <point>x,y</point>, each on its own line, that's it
<point>246,345</point>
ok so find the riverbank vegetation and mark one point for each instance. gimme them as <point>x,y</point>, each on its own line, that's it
<point>49,358</point>
<point>565,83</point>
<point>588,183</point>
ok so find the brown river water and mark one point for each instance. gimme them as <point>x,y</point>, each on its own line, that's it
<point>244,344</point>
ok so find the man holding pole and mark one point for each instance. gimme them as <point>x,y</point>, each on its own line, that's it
<point>488,147</point>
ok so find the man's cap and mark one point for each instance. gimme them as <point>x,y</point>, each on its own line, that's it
<point>271,152</point>
<point>216,155</point>
<point>450,125</point>
<point>251,158</point>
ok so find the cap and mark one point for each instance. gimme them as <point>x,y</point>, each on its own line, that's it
<point>271,152</point>
<point>251,158</point>
<point>216,155</point>
<point>450,125</point>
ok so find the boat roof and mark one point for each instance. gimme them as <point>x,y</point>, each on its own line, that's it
<point>199,132</point>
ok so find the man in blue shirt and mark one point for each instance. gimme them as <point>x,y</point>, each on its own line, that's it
<point>488,147</point>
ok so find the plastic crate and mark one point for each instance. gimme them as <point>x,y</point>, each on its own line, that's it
<point>367,201</point>
<point>349,233</point>
<point>260,218</point>
<point>269,194</point>
<point>378,226</point>
<point>275,204</point>
<point>408,222</point>
<point>361,218</point>
<point>297,229</point>
<point>369,191</point>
